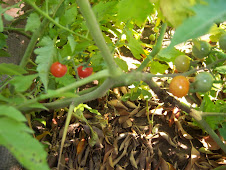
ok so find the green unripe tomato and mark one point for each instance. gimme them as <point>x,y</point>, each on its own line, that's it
<point>152,37</point>
<point>203,82</point>
<point>182,63</point>
<point>201,49</point>
<point>222,42</point>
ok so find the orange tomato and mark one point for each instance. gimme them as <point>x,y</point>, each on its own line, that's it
<point>179,86</point>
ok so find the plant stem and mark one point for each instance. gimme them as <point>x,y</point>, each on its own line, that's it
<point>52,20</point>
<point>96,33</point>
<point>35,37</point>
<point>32,43</point>
<point>155,50</point>
<point>17,30</point>
<point>198,116</point>
<point>97,93</point>
<point>81,82</point>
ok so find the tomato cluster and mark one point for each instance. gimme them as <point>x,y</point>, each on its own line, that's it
<point>59,70</point>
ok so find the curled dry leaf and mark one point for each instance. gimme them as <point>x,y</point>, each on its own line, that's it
<point>117,92</point>
<point>195,155</point>
<point>123,89</point>
<point>131,105</point>
<point>167,137</point>
<point>209,143</point>
<point>127,123</point>
<point>181,130</point>
<point>123,119</point>
<point>80,146</point>
<point>118,104</point>
<point>132,159</point>
<point>141,112</point>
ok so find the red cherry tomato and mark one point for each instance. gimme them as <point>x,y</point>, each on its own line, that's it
<point>58,69</point>
<point>84,72</point>
<point>179,86</point>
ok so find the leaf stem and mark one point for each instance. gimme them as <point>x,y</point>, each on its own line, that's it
<point>155,50</point>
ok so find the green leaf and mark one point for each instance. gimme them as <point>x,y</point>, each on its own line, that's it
<point>11,112</point>
<point>1,22</point>
<point>3,38</point>
<point>70,15</point>
<point>16,137</point>
<point>223,130</point>
<point>8,17</point>
<point>22,83</point>
<point>11,69</point>
<point>37,105</point>
<point>33,22</point>
<point>102,9</point>
<point>209,106</point>
<point>157,67</point>
<point>169,54</point>
<point>221,69</point>
<point>135,10</point>
<point>201,23</point>
<point>45,59</point>
<point>72,42</point>
<point>3,53</point>
<point>122,64</point>
<point>175,11</point>
<point>134,45</point>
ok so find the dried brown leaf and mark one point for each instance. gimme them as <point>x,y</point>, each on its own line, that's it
<point>118,104</point>
<point>132,159</point>
<point>181,130</point>
<point>131,105</point>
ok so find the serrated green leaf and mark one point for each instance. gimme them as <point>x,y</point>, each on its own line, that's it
<point>22,83</point>
<point>11,112</point>
<point>45,59</point>
<point>11,69</point>
<point>70,15</point>
<point>201,23</point>
<point>122,64</point>
<point>134,10</point>
<point>27,150</point>
<point>157,67</point>
<point>33,22</point>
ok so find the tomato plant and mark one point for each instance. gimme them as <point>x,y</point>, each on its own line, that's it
<point>222,42</point>
<point>179,86</point>
<point>203,82</point>
<point>58,69</point>
<point>201,49</point>
<point>84,72</point>
<point>182,63</point>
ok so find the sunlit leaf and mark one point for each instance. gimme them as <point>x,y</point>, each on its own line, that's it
<point>201,22</point>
